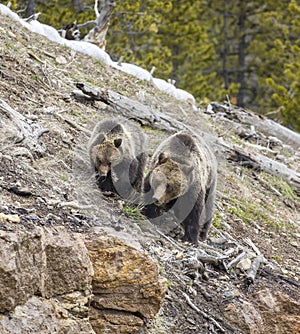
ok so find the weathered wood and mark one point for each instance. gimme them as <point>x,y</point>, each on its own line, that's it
<point>252,272</point>
<point>262,124</point>
<point>133,109</point>
<point>204,314</point>
<point>260,162</point>
<point>97,35</point>
<point>28,132</point>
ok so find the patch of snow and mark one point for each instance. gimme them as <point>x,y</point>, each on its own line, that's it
<point>165,86</point>
<point>181,94</point>
<point>89,49</point>
<point>52,34</point>
<point>92,50</point>
<point>133,70</point>
<point>4,10</point>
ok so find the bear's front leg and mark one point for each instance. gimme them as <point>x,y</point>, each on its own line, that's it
<point>192,223</point>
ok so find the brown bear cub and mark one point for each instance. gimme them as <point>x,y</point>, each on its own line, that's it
<point>117,154</point>
<point>182,180</point>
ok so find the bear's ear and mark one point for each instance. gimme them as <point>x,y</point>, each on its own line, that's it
<point>162,158</point>
<point>117,129</point>
<point>117,142</point>
<point>186,140</point>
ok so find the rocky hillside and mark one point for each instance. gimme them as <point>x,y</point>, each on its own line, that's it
<point>75,261</point>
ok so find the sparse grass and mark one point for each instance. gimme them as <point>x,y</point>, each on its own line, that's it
<point>279,184</point>
<point>277,258</point>
<point>133,212</point>
<point>11,46</point>
<point>217,220</point>
<point>35,77</point>
<point>63,177</point>
<point>249,211</point>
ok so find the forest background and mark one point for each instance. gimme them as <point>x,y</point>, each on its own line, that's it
<point>247,51</point>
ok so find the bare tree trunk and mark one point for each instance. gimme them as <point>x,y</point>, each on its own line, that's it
<point>77,4</point>
<point>241,58</point>
<point>225,51</point>
<point>98,34</point>
<point>30,7</point>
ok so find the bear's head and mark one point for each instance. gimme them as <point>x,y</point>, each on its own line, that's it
<point>106,155</point>
<point>169,180</point>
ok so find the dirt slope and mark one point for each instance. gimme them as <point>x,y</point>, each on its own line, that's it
<point>54,188</point>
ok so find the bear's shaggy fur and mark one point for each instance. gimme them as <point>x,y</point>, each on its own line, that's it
<point>182,178</point>
<point>116,150</point>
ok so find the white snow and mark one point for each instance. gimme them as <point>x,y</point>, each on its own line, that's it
<point>89,49</point>
<point>133,70</point>
<point>164,86</point>
<point>92,50</point>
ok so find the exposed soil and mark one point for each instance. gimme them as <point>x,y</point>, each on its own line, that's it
<point>57,188</point>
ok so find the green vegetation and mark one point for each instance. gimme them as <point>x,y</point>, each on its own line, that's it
<point>249,51</point>
<point>63,177</point>
<point>217,222</point>
<point>11,46</point>
<point>133,212</point>
<point>287,191</point>
<point>251,211</point>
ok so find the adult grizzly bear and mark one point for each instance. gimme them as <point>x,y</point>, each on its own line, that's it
<point>116,151</point>
<point>182,178</point>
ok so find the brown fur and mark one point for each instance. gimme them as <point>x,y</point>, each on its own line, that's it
<point>182,179</point>
<point>117,154</point>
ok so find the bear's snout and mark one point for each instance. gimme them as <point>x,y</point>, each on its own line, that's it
<point>103,171</point>
<point>159,195</point>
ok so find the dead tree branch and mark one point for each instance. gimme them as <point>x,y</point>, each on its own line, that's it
<point>262,124</point>
<point>28,132</point>
<point>133,109</point>
<point>205,315</point>
<point>97,35</point>
<point>260,162</point>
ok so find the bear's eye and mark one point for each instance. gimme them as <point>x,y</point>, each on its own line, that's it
<point>169,188</point>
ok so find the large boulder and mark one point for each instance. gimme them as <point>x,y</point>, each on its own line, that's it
<point>40,315</point>
<point>268,312</point>
<point>45,282</point>
<point>56,282</point>
<point>127,287</point>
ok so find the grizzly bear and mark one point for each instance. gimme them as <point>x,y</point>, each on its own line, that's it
<point>182,179</point>
<point>117,154</point>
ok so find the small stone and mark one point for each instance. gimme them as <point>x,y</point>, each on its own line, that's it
<point>61,60</point>
<point>179,256</point>
<point>244,264</point>
<point>228,294</point>
<point>9,218</point>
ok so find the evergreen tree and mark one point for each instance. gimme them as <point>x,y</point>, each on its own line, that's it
<point>248,50</point>
<point>285,83</point>
<point>192,55</point>
<point>134,34</point>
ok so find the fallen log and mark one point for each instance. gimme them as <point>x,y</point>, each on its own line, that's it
<point>26,131</point>
<point>262,163</point>
<point>133,109</point>
<point>261,123</point>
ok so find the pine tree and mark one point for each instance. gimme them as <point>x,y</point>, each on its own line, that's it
<point>192,53</point>
<point>134,34</point>
<point>285,87</point>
